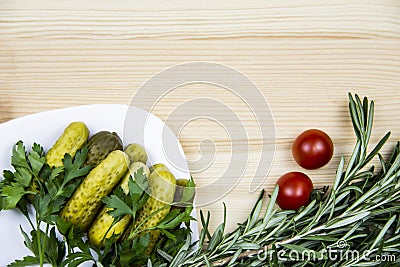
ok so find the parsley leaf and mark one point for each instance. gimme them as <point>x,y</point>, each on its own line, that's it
<point>79,250</point>
<point>48,189</point>
<point>53,253</point>
<point>12,195</point>
<point>138,188</point>
<point>121,204</point>
<point>133,251</point>
<point>26,261</point>
<point>77,258</point>
<point>36,162</point>
<point>18,158</point>
<point>23,176</point>
<point>119,207</point>
<point>74,168</point>
<point>20,183</point>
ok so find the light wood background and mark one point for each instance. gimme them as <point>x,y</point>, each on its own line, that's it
<point>304,56</point>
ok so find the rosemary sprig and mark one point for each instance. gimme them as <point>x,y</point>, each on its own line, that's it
<point>359,214</point>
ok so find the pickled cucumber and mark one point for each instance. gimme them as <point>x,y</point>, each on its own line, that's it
<point>136,153</point>
<point>158,166</point>
<point>184,193</point>
<point>102,225</point>
<point>82,207</point>
<point>100,145</point>
<point>74,137</point>
<point>162,185</point>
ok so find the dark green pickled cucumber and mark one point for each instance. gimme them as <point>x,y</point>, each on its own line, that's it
<point>100,145</point>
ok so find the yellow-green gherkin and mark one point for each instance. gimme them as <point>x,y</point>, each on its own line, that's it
<point>158,166</point>
<point>136,153</point>
<point>102,227</point>
<point>74,137</point>
<point>184,188</point>
<point>162,185</point>
<point>82,207</point>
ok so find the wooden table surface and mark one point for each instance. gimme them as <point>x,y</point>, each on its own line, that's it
<point>303,55</point>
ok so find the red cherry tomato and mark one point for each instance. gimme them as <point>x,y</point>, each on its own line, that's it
<point>294,190</point>
<point>312,149</point>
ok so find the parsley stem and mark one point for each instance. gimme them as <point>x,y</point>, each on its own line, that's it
<point>29,220</point>
<point>45,239</point>
<point>39,243</point>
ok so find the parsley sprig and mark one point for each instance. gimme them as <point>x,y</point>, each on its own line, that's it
<point>47,189</point>
<point>40,192</point>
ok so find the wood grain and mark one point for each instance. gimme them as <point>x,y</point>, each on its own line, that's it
<point>304,56</point>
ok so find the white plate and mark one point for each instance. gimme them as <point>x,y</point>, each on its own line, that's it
<point>44,128</point>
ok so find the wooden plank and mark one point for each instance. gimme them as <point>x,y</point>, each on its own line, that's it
<point>304,57</point>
